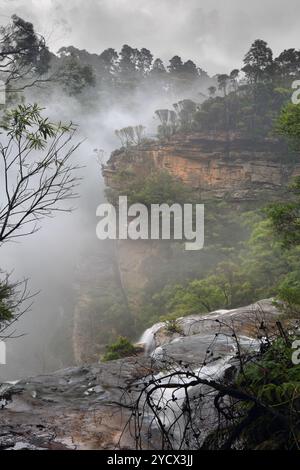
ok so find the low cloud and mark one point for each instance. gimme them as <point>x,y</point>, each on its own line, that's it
<point>216,34</point>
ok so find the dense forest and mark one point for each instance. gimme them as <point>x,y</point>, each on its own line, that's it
<point>243,259</point>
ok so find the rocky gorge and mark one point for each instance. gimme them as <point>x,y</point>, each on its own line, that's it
<point>88,407</point>
<point>216,166</point>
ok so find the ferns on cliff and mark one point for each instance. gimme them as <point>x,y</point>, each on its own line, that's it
<point>274,380</point>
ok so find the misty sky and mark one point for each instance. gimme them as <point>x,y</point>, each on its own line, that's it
<point>215,33</point>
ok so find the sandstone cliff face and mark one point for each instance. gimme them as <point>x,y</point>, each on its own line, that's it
<point>132,256</point>
<point>222,165</point>
<point>225,166</point>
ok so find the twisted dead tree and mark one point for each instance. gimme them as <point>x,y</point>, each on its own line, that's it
<point>250,400</point>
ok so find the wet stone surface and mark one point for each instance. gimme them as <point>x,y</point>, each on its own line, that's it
<point>79,407</point>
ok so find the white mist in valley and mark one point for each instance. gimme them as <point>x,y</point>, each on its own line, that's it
<point>50,259</point>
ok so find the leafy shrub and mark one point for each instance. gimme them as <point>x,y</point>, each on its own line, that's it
<point>6,292</point>
<point>172,326</point>
<point>273,422</point>
<point>157,188</point>
<point>288,124</point>
<point>121,348</point>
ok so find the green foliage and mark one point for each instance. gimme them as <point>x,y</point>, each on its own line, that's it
<point>118,350</point>
<point>260,269</point>
<point>227,288</point>
<point>285,217</point>
<point>27,125</point>
<point>119,73</point>
<point>255,268</point>
<point>172,326</point>
<point>249,110</point>
<point>75,77</point>
<point>288,291</point>
<point>258,62</point>
<point>223,80</point>
<point>157,188</point>
<point>6,307</point>
<point>275,382</point>
<point>262,260</point>
<point>288,124</point>
<point>265,371</point>
<point>22,50</point>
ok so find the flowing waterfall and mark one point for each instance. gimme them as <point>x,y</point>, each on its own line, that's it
<point>197,340</point>
<point>148,337</point>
